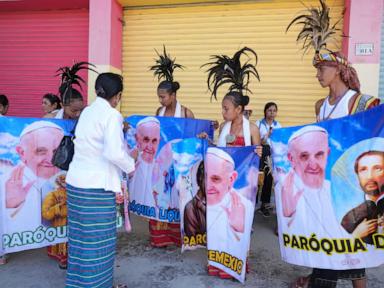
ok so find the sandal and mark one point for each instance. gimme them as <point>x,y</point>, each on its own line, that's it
<point>301,282</point>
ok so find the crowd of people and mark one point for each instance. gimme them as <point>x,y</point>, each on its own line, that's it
<point>101,154</point>
<point>108,156</point>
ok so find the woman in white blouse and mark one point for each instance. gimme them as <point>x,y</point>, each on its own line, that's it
<point>266,127</point>
<point>92,180</point>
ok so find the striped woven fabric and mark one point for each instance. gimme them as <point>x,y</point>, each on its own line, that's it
<point>329,57</point>
<point>91,237</point>
<point>163,234</point>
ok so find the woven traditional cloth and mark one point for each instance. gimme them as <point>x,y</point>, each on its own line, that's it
<point>91,237</point>
<point>164,234</point>
<point>329,57</point>
<point>59,253</point>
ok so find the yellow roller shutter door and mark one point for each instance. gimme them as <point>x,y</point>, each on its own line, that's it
<point>192,33</point>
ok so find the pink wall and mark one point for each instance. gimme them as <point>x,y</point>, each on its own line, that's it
<point>42,5</point>
<point>116,34</point>
<point>106,33</point>
<point>362,23</point>
<point>33,46</point>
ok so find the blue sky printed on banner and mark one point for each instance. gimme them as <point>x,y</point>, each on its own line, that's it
<point>171,128</point>
<point>10,129</point>
<point>348,137</point>
<point>245,159</point>
<point>187,153</point>
<point>190,151</point>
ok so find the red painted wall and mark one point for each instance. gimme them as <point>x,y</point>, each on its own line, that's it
<point>33,45</point>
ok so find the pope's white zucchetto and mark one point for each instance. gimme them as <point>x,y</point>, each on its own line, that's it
<point>305,130</point>
<point>39,125</point>
<point>149,119</point>
<point>220,153</point>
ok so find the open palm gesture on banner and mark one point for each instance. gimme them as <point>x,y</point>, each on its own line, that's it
<point>16,192</point>
<point>236,213</point>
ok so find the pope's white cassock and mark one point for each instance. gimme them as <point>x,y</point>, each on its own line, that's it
<point>314,215</point>
<point>27,216</point>
<point>222,237</point>
<point>140,185</point>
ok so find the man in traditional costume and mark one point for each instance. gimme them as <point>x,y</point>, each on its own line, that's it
<point>335,72</point>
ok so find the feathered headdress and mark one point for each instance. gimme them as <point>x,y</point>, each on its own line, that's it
<point>226,70</point>
<point>165,66</point>
<point>317,31</point>
<point>69,78</point>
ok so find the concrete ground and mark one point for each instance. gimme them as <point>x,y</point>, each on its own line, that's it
<point>138,266</point>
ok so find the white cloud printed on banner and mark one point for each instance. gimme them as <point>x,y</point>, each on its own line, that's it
<point>329,191</point>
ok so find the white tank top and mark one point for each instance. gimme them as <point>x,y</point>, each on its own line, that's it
<point>337,110</point>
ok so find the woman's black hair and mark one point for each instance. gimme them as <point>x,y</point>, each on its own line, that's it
<point>4,100</point>
<point>170,87</point>
<point>267,106</point>
<point>74,95</point>
<point>237,99</point>
<point>108,85</point>
<point>69,78</point>
<point>53,99</point>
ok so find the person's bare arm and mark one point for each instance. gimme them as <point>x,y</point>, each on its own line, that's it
<point>317,108</point>
<point>188,113</point>
<point>255,134</point>
<point>158,111</point>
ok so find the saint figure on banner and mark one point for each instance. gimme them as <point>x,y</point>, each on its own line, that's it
<point>369,169</point>
<point>196,209</point>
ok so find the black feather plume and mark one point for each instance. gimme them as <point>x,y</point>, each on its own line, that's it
<point>165,66</point>
<point>226,70</point>
<point>69,78</point>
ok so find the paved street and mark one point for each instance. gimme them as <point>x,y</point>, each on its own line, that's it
<point>138,266</point>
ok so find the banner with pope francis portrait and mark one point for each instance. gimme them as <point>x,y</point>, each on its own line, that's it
<point>33,206</point>
<point>231,188</point>
<point>152,189</point>
<point>329,186</point>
